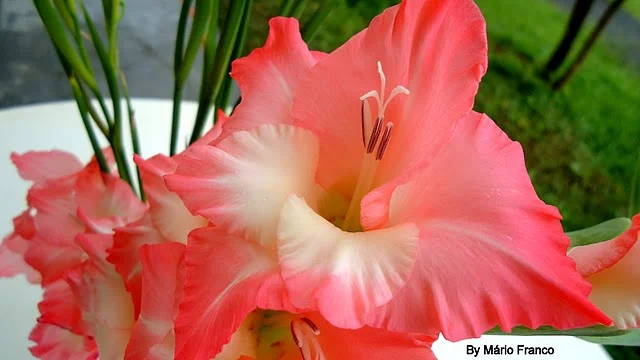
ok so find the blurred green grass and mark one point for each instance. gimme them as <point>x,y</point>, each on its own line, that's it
<point>633,8</point>
<point>580,143</point>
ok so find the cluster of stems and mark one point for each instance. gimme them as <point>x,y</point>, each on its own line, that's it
<point>200,28</point>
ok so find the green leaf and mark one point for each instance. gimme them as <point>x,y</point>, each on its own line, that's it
<point>311,28</point>
<point>631,338</point>
<point>593,331</point>
<point>56,30</point>
<point>287,6</point>
<point>297,11</point>
<point>599,233</point>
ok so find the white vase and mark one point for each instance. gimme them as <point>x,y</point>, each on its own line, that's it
<point>58,126</point>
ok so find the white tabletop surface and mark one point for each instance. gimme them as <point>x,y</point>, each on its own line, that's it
<point>57,126</point>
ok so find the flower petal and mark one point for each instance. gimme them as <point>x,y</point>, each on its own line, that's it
<point>485,238</point>
<point>368,343</point>
<point>153,337</point>
<point>12,262</point>
<point>241,184</point>
<point>59,307</point>
<point>269,76</point>
<point>40,166</point>
<point>591,259</point>
<point>437,49</point>
<point>168,213</point>
<point>213,307</point>
<point>53,260</point>
<point>341,274</point>
<point>124,254</point>
<point>55,343</point>
<point>106,305</point>
<point>615,289</point>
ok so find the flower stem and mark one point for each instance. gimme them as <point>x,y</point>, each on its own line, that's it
<point>177,86</point>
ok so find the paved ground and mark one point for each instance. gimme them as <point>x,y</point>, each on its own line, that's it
<point>30,72</point>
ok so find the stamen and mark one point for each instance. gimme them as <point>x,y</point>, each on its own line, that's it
<point>365,114</point>
<point>295,330</point>
<point>386,137</point>
<point>375,134</point>
<point>312,325</point>
<point>304,328</point>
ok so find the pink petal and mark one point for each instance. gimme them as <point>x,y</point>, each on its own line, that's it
<point>168,213</point>
<point>59,307</point>
<point>368,343</point>
<point>41,166</point>
<point>55,343</point>
<point>241,184</point>
<point>107,201</point>
<point>124,254</point>
<point>487,239</point>
<point>615,288</point>
<point>53,260</point>
<point>12,262</point>
<point>213,307</point>
<point>342,274</point>
<point>163,277</point>
<point>437,49</point>
<point>106,306</point>
<point>594,258</point>
<point>269,76</point>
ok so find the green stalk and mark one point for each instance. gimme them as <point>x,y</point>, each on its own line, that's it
<point>177,87</point>
<point>311,28</point>
<point>287,6</point>
<point>135,139</point>
<point>112,83</point>
<point>81,101</point>
<point>56,30</point>
<point>220,65</point>
<point>210,41</point>
<point>74,26</point>
<point>200,21</point>
<point>225,93</point>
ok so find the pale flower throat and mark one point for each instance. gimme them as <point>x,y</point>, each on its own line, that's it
<point>374,149</point>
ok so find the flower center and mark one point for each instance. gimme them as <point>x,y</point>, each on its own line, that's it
<point>305,332</point>
<point>372,131</point>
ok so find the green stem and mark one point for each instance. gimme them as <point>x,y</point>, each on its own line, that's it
<point>81,101</point>
<point>175,123</point>
<point>597,330</point>
<point>221,63</point>
<point>299,9</point>
<point>177,86</point>
<point>112,82</point>
<point>135,138</point>
<point>225,92</point>
<point>104,128</point>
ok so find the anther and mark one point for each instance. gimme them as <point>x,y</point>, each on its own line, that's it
<point>386,137</point>
<point>365,117</point>
<point>375,134</point>
<point>312,325</point>
<point>294,330</point>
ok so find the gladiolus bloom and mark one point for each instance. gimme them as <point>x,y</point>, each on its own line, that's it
<point>363,181</point>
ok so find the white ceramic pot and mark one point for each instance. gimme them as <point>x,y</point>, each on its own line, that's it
<point>58,126</point>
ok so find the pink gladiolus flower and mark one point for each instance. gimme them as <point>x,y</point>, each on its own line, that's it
<point>62,241</point>
<point>360,185</point>
<point>612,268</point>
